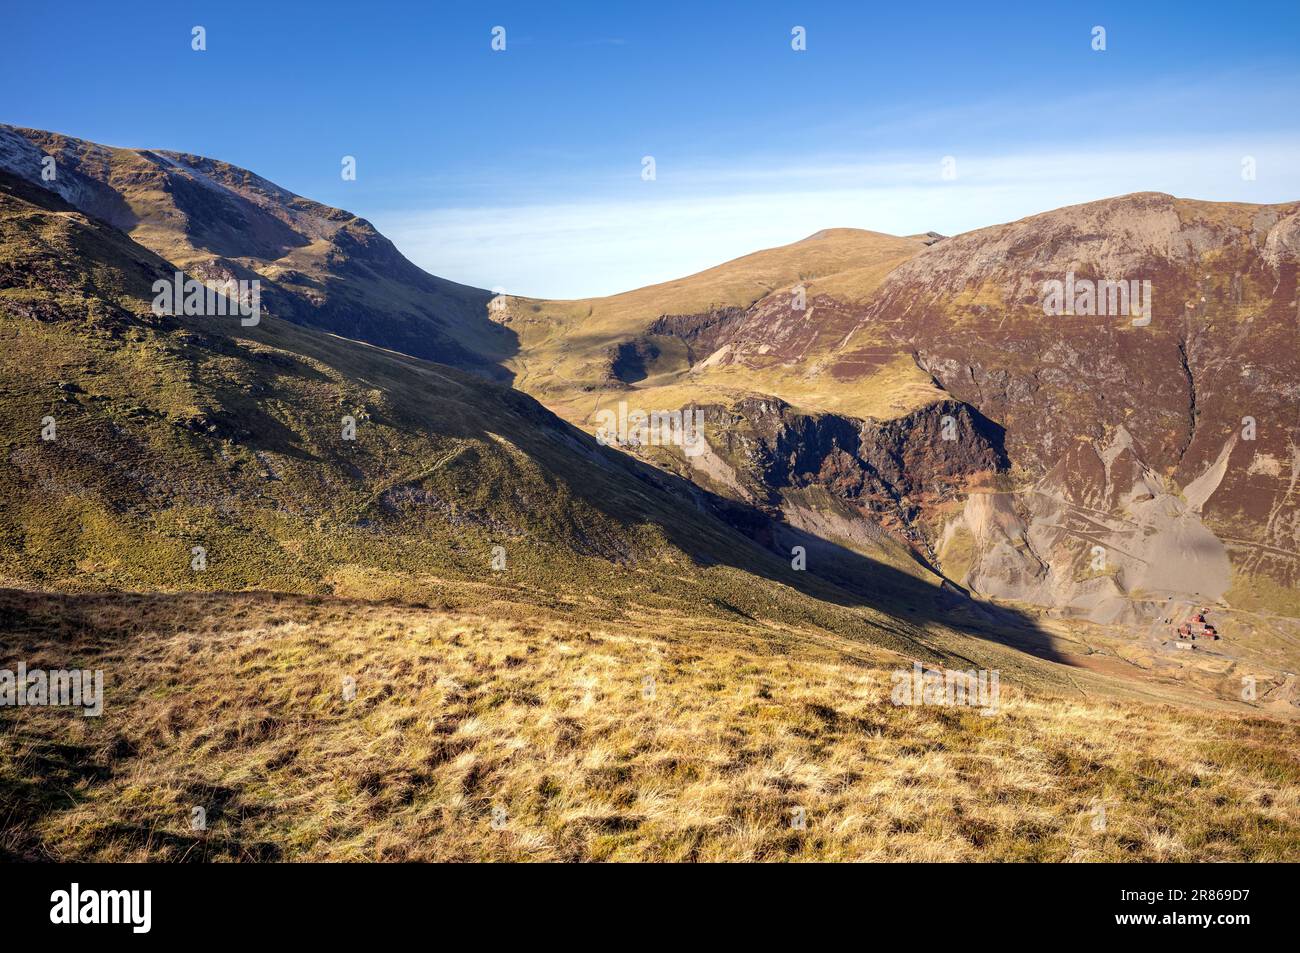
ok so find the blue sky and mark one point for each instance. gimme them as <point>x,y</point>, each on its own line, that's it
<point>522,169</point>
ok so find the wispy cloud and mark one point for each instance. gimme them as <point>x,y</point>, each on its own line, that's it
<point>692,218</point>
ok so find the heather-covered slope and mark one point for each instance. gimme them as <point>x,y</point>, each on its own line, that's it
<point>1170,445</point>
<point>1200,407</point>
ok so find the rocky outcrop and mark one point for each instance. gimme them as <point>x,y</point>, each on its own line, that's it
<point>701,332</point>
<point>874,479</point>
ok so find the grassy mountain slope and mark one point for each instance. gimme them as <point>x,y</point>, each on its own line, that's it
<point>646,677</point>
<point>320,266</point>
<point>172,433</point>
<point>506,734</point>
<point>569,350</point>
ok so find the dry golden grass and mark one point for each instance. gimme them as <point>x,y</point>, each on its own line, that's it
<point>236,704</point>
<point>565,344</point>
<point>741,282</point>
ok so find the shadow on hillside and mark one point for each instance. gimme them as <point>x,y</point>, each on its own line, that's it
<point>834,573</point>
<point>711,529</point>
<point>370,292</point>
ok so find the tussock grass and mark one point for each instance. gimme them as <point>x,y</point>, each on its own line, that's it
<point>648,740</point>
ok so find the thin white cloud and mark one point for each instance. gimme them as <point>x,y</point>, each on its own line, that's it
<point>692,219</point>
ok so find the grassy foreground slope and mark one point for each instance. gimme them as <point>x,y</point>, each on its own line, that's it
<point>506,734</point>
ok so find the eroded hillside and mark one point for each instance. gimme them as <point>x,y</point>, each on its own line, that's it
<point>1143,464</point>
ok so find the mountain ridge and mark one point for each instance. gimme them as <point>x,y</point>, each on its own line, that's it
<point>897,341</point>
<point>320,266</point>
<point>357,604</point>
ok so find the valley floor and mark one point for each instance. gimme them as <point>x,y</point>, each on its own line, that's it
<point>320,728</point>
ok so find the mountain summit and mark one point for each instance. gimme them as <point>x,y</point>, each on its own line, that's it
<point>319,266</point>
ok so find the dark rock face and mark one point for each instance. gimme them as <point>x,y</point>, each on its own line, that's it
<point>885,460</point>
<point>881,472</point>
<point>628,360</point>
<point>703,333</point>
